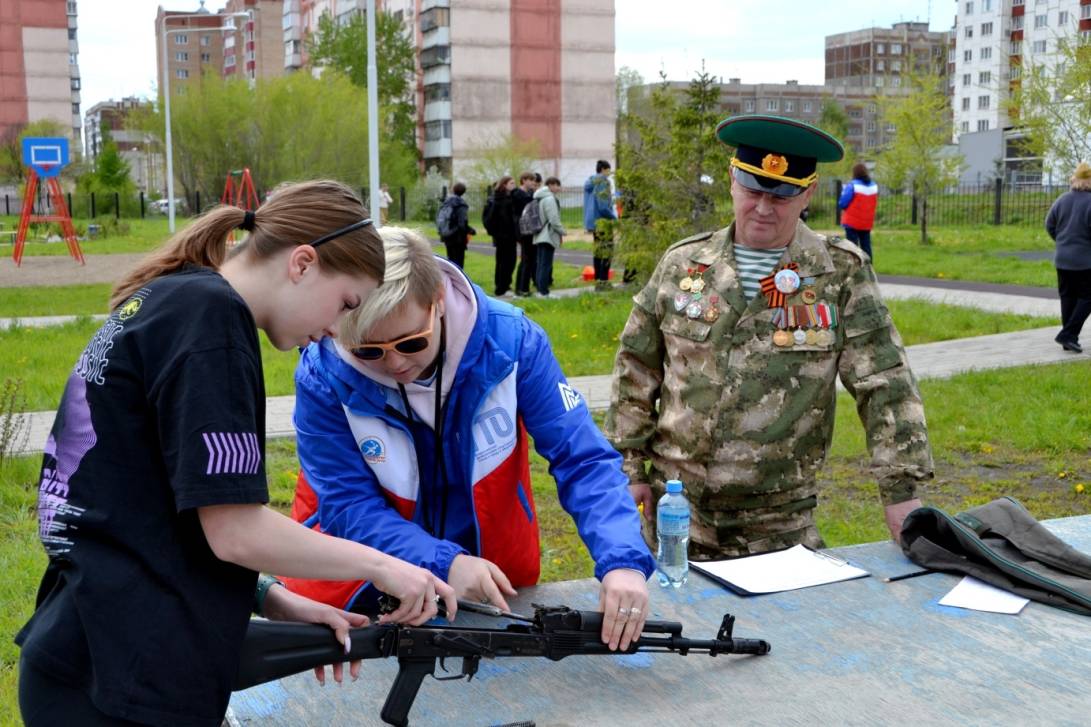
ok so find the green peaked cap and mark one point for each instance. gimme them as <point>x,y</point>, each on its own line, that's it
<point>780,135</point>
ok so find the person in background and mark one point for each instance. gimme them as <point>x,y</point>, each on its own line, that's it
<point>524,274</point>
<point>598,204</point>
<point>549,238</point>
<point>385,200</point>
<point>1069,224</point>
<point>502,224</point>
<point>857,202</point>
<point>453,224</point>
<point>414,429</point>
<point>152,497</point>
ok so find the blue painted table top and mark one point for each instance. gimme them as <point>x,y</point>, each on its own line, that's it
<point>859,652</point>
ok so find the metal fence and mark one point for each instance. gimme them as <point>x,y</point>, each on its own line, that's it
<point>998,203</point>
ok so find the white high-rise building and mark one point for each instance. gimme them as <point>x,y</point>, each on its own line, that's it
<point>993,40</point>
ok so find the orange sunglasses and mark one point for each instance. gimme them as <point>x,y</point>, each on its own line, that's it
<point>407,345</point>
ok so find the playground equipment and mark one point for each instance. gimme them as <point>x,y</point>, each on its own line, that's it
<point>44,158</point>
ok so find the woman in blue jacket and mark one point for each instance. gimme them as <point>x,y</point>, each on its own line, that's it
<point>455,497</point>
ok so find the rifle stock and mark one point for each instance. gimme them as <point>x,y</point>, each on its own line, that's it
<point>275,650</point>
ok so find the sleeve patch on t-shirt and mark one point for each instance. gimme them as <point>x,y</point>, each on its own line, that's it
<point>232,453</point>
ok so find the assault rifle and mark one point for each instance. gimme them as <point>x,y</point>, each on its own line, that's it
<point>273,650</point>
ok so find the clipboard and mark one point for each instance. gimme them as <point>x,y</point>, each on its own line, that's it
<point>777,571</point>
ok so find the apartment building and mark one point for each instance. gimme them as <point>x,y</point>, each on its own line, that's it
<point>195,45</point>
<point>254,49</point>
<point>138,149</point>
<point>994,39</point>
<point>877,58</point>
<point>39,65</point>
<point>299,20</point>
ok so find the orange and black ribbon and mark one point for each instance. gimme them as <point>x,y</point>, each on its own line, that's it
<point>769,287</point>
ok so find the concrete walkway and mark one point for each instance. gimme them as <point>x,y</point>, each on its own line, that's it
<point>930,360</point>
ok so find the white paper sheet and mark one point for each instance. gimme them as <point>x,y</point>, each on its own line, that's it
<point>785,570</point>
<point>980,596</point>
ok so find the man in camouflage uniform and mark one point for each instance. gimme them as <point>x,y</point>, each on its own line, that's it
<point>735,397</point>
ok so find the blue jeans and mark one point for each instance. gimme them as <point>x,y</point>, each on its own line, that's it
<point>543,275</point>
<point>862,238</point>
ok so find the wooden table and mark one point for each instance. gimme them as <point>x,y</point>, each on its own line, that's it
<point>861,652</point>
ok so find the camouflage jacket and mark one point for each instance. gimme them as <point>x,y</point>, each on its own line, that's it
<point>744,423</point>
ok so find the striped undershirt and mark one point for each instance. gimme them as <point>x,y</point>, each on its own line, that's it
<point>752,265</point>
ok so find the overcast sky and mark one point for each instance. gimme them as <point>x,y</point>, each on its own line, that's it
<point>768,42</point>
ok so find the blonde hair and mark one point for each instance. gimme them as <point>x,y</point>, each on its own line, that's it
<point>293,214</point>
<point>1081,178</point>
<point>412,276</point>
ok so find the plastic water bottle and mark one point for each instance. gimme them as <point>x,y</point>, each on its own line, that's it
<point>672,531</point>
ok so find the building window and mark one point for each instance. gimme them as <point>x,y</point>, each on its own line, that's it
<point>435,56</point>
<point>436,130</point>
<point>206,58</point>
<point>75,84</point>
<point>1085,11</point>
<point>72,8</point>
<point>229,61</point>
<point>1017,22</point>
<point>984,78</point>
<point>880,48</point>
<point>435,18</point>
<point>789,105</point>
<point>1016,47</point>
<point>982,102</point>
<point>871,109</point>
<point>878,82</point>
<point>808,107</point>
<point>986,29</point>
<point>181,39</point>
<point>967,78</point>
<point>896,82</point>
<point>880,66</point>
<point>969,8</point>
<point>855,113</point>
<point>771,104</point>
<point>965,103</point>
<point>76,109</point>
<point>896,66</point>
<point>964,126</point>
<point>1016,72</point>
<point>437,92</point>
<point>71,33</point>
<point>1016,3</point>
<point>871,125</point>
<point>1039,46</point>
<point>181,73</point>
<point>986,6</point>
<point>967,55</point>
<point>986,53</point>
<point>890,128</point>
<point>895,49</point>
<point>950,55</point>
<point>748,105</point>
<point>1040,20</point>
<point>73,59</point>
<point>969,31</point>
<point>206,40</point>
<point>181,56</point>
<point>982,124</point>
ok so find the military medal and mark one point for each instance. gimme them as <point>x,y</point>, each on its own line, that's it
<point>681,300</point>
<point>698,285</point>
<point>824,337</point>
<point>712,312</point>
<point>782,338</point>
<point>799,336</point>
<point>786,281</point>
<point>811,337</point>
<point>694,310</point>
<point>809,296</point>
<point>687,282</point>
<point>771,288</point>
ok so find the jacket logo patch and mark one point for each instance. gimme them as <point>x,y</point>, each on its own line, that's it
<point>373,450</point>
<point>494,432</point>
<point>569,397</point>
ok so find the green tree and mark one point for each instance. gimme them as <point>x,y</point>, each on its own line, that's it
<point>917,158</point>
<point>109,176</point>
<point>834,120</point>
<point>1051,101</point>
<point>343,47</point>
<point>497,156</point>
<point>672,172</point>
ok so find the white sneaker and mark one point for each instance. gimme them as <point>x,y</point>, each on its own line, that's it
<point>508,294</point>
<point>547,296</point>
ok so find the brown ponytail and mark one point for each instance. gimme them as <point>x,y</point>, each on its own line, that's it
<point>293,214</point>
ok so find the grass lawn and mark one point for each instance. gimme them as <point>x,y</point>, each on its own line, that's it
<point>133,235</point>
<point>583,330</point>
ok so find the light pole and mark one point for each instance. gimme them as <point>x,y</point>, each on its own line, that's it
<point>163,33</point>
<point>373,117</point>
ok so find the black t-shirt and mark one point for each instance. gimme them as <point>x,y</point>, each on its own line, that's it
<point>163,413</point>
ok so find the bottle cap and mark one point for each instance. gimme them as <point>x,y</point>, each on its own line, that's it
<point>674,486</point>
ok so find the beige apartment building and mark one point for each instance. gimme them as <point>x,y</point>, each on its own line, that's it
<point>39,66</point>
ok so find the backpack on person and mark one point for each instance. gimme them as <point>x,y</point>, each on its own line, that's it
<point>445,220</point>
<point>487,215</point>
<point>531,221</point>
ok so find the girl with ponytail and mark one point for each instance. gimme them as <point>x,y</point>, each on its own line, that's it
<point>152,491</point>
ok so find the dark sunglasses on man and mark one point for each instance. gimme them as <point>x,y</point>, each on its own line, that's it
<point>407,345</point>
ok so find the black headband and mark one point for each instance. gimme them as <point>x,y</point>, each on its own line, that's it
<point>343,231</point>
<point>247,221</point>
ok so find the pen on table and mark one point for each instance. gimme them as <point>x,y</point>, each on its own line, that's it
<point>903,576</point>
